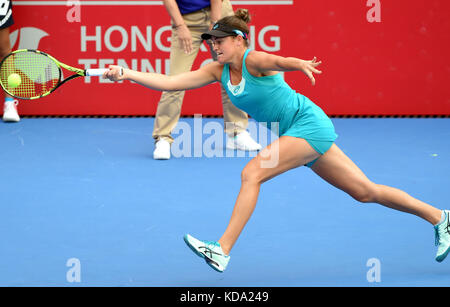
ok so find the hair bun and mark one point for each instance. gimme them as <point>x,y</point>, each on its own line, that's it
<point>243,14</point>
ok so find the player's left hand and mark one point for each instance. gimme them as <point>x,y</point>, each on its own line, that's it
<point>309,67</point>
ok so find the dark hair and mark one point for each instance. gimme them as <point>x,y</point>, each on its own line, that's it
<point>238,21</point>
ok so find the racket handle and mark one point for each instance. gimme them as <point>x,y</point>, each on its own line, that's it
<point>99,71</point>
<point>96,72</point>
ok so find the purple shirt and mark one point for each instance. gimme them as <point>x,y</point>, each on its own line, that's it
<point>189,6</point>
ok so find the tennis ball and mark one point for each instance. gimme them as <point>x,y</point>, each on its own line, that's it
<point>14,80</point>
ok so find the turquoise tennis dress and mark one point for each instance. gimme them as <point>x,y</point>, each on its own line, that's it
<point>270,100</point>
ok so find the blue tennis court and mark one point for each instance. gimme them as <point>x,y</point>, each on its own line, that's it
<point>87,190</point>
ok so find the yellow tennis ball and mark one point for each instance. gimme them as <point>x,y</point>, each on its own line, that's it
<point>14,80</point>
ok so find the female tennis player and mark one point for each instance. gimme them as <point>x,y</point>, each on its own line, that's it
<point>307,135</point>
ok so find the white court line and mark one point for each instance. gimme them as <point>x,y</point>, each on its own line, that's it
<point>132,3</point>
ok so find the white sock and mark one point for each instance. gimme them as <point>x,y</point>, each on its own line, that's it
<point>442,217</point>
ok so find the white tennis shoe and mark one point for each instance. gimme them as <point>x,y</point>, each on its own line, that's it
<point>243,141</point>
<point>10,111</point>
<point>211,251</point>
<point>162,150</point>
<point>442,237</point>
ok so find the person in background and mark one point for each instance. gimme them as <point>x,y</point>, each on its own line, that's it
<point>191,18</point>
<point>10,113</point>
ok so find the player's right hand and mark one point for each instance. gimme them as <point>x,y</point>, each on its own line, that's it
<point>115,73</point>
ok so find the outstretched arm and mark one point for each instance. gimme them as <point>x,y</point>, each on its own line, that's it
<point>185,81</point>
<point>264,62</point>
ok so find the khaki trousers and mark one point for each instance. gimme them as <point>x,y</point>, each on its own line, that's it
<point>169,106</point>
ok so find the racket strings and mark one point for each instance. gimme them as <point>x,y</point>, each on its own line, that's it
<point>38,73</point>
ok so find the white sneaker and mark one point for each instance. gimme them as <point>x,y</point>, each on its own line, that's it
<point>442,235</point>
<point>10,111</point>
<point>211,251</point>
<point>243,141</point>
<point>162,150</point>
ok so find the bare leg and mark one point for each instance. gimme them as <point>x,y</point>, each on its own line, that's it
<point>337,169</point>
<point>282,155</point>
<point>334,167</point>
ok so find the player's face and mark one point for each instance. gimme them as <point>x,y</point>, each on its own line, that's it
<point>223,47</point>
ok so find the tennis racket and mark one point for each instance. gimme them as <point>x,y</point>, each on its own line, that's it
<point>39,74</point>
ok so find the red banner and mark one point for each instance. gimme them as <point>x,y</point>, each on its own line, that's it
<point>380,57</point>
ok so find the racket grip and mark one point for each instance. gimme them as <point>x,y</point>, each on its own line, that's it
<point>96,72</point>
<point>99,71</point>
